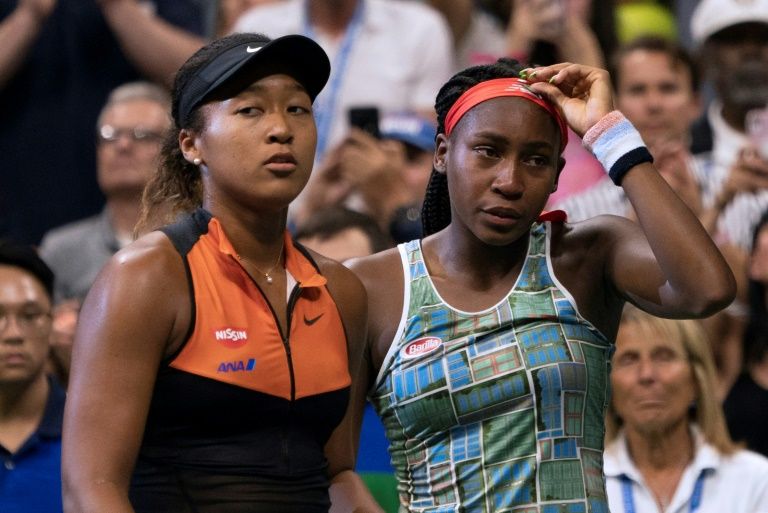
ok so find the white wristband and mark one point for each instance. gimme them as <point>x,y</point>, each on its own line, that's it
<point>617,144</point>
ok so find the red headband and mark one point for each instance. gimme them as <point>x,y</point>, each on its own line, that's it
<point>496,88</point>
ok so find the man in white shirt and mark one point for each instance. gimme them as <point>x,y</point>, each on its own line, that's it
<point>657,88</point>
<point>732,39</point>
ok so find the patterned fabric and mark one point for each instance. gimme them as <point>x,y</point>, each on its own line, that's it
<point>499,410</point>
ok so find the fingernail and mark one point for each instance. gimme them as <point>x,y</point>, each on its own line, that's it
<point>523,74</point>
<point>533,73</point>
<point>552,80</point>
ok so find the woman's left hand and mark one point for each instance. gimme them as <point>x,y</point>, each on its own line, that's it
<point>582,93</point>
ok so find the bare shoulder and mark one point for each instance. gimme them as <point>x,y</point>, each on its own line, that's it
<point>592,238</point>
<point>144,283</point>
<point>601,227</point>
<point>341,281</point>
<point>382,275</point>
<point>328,266</point>
<point>149,263</point>
<point>581,253</point>
<point>380,271</point>
<point>149,246</point>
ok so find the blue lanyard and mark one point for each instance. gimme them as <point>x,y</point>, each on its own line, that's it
<point>325,103</point>
<point>629,500</point>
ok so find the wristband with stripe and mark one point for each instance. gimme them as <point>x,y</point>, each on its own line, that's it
<point>617,145</point>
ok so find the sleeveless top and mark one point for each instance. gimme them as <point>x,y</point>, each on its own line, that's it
<point>240,414</point>
<point>498,410</point>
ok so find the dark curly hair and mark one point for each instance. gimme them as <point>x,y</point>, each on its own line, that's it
<point>436,210</point>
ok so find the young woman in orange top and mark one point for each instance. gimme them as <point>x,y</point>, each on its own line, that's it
<point>210,366</point>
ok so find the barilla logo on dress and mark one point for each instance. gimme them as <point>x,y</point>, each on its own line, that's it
<point>237,366</point>
<point>231,337</point>
<point>421,347</point>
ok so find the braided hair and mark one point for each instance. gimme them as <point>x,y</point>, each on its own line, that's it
<point>436,209</point>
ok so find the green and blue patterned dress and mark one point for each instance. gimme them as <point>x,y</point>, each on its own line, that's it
<point>499,410</point>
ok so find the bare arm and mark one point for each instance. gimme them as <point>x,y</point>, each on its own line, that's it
<point>126,323</point>
<point>348,492</point>
<point>18,32</point>
<point>154,46</point>
<point>668,265</point>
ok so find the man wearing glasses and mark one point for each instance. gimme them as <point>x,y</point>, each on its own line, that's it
<point>31,404</point>
<point>129,134</point>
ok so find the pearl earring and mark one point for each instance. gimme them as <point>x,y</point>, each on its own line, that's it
<point>197,161</point>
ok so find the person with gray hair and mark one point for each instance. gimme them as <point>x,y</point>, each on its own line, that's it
<point>667,445</point>
<point>129,131</point>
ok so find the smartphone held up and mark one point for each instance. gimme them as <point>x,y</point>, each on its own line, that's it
<point>757,128</point>
<point>365,118</point>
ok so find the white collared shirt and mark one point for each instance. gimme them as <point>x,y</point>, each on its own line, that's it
<point>732,484</point>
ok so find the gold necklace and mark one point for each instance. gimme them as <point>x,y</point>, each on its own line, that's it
<point>268,271</point>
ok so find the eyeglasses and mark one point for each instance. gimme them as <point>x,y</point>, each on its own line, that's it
<point>110,134</point>
<point>29,322</point>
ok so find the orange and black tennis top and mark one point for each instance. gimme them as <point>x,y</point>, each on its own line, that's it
<point>241,413</point>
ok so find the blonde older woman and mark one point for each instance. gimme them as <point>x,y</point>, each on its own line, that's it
<point>668,449</point>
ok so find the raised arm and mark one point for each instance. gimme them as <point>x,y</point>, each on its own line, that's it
<point>18,31</point>
<point>155,47</point>
<point>124,328</point>
<point>666,264</point>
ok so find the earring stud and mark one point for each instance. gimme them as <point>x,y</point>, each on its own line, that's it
<point>197,161</point>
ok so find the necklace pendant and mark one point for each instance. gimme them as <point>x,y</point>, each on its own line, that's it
<point>269,278</point>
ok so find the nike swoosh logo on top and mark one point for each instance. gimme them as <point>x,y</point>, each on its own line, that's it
<point>310,322</point>
<point>252,50</point>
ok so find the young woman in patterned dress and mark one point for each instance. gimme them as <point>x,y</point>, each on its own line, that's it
<point>490,338</point>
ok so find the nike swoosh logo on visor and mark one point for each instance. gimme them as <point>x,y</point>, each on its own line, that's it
<point>252,50</point>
